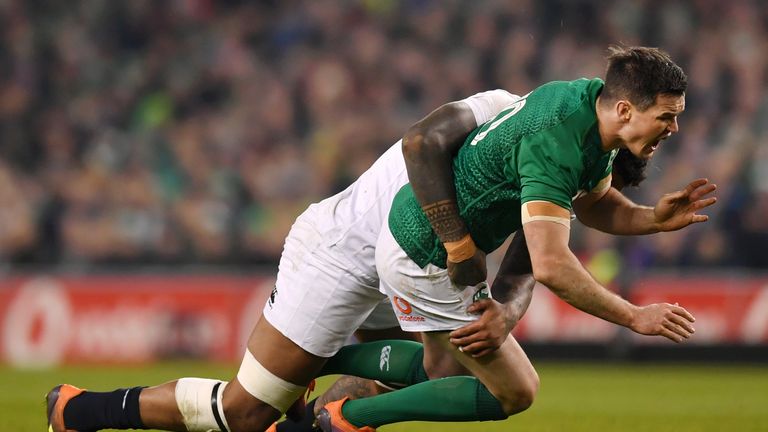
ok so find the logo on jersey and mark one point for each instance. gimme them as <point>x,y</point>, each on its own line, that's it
<point>384,360</point>
<point>272,296</point>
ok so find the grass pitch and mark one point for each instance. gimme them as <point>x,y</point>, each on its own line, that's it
<point>573,397</point>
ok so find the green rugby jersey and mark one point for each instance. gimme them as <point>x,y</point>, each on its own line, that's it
<point>544,147</point>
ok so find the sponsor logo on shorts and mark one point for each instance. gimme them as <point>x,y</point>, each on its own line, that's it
<point>384,360</point>
<point>402,305</point>
<point>411,318</point>
<point>272,296</point>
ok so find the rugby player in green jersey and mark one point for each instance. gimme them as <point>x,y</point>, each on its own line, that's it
<point>544,156</point>
<point>495,317</point>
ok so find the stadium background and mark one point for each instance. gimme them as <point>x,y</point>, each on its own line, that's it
<point>153,156</point>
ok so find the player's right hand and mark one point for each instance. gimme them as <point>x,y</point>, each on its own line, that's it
<point>663,319</point>
<point>469,272</point>
<point>487,333</point>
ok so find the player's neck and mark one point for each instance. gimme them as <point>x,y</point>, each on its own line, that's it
<point>608,127</point>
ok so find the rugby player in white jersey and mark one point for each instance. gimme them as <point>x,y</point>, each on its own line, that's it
<point>326,288</point>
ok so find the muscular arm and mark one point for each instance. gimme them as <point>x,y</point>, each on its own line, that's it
<point>428,148</point>
<point>614,213</point>
<point>514,282</point>
<point>555,266</point>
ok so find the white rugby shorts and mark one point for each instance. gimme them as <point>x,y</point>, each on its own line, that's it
<point>319,299</point>
<point>423,299</point>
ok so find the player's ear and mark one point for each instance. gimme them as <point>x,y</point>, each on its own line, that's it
<point>624,110</point>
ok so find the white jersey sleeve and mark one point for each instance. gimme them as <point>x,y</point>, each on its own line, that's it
<point>486,105</point>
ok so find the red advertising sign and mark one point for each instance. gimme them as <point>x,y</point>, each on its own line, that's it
<point>127,319</point>
<point>124,319</point>
<point>726,310</point>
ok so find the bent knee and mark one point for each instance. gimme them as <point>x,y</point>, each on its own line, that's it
<point>521,398</point>
<point>517,402</point>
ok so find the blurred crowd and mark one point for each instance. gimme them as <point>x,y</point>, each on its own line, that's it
<point>195,131</point>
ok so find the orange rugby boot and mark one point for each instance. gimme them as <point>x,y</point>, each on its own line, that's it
<point>56,400</point>
<point>330,419</point>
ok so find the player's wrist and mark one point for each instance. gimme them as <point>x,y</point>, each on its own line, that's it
<point>460,250</point>
<point>634,315</point>
<point>655,224</point>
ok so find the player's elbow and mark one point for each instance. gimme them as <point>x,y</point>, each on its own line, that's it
<point>545,271</point>
<point>421,143</point>
<point>413,143</point>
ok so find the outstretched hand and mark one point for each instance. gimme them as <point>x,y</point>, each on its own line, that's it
<point>677,210</point>
<point>663,319</point>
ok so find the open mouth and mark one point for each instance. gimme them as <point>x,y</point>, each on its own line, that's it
<point>658,141</point>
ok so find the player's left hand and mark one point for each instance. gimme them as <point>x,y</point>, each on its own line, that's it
<point>485,335</point>
<point>677,210</point>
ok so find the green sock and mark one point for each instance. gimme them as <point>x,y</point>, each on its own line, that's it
<point>389,361</point>
<point>460,398</point>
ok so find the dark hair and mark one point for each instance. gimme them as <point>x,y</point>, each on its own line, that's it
<point>628,170</point>
<point>639,74</point>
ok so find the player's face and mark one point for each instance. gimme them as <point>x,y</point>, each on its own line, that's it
<point>645,130</point>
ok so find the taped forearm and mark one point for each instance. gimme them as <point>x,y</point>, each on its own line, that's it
<point>428,150</point>
<point>460,250</point>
